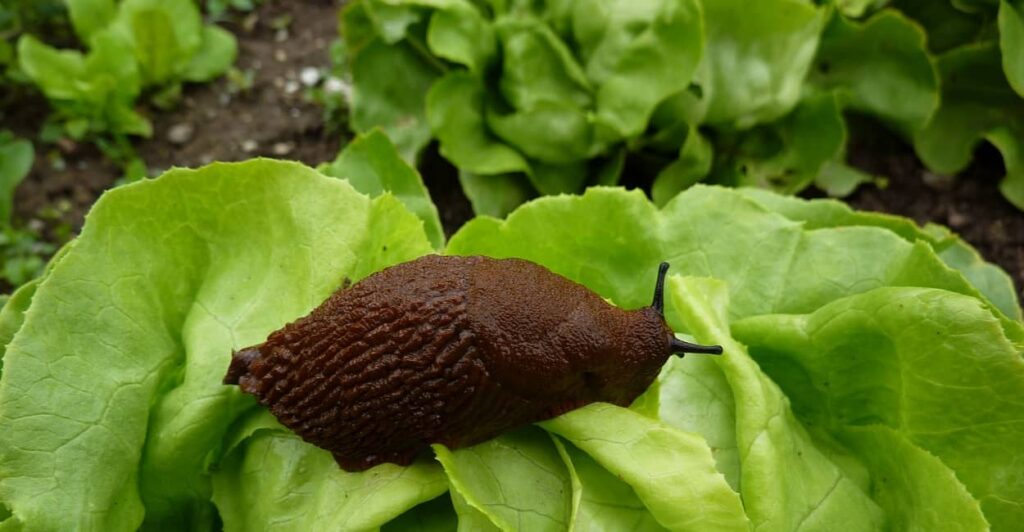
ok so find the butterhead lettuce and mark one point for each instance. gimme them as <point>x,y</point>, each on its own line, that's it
<point>872,378</point>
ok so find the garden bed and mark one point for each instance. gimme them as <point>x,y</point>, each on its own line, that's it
<point>216,122</point>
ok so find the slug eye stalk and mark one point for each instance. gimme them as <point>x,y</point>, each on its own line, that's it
<point>678,346</point>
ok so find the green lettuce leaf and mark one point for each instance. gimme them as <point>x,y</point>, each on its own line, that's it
<point>695,397</point>
<point>215,56</point>
<point>437,515</point>
<point>90,16</point>
<point>637,53</point>
<point>787,482</point>
<point>602,501</point>
<point>977,104</point>
<point>880,388</point>
<point>880,67</point>
<point>693,164</point>
<point>12,315</point>
<point>756,57</point>
<point>455,107</point>
<point>97,89</point>
<point>994,283</point>
<point>495,195</point>
<point>16,156</point>
<point>933,366</point>
<point>621,233</point>
<point>462,35</point>
<point>373,166</point>
<point>517,481</point>
<point>114,377</point>
<point>672,472</point>
<point>1011,41</point>
<point>912,484</point>
<point>272,480</point>
<point>789,154</point>
<point>387,92</point>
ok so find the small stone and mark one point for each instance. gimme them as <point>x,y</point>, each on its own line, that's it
<point>291,86</point>
<point>338,87</point>
<point>294,112</point>
<point>67,145</point>
<point>249,146</point>
<point>938,181</point>
<point>281,149</point>
<point>206,158</point>
<point>180,133</point>
<point>281,35</point>
<point>280,55</point>
<point>309,76</point>
<point>957,219</point>
<point>250,21</point>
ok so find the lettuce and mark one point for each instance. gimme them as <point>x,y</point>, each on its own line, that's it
<point>132,46</point>
<point>872,375</point>
<point>545,98</point>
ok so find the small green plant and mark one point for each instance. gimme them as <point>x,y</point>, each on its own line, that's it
<point>218,8</point>
<point>21,249</point>
<point>132,46</point>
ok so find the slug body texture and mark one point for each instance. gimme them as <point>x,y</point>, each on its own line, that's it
<point>451,350</point>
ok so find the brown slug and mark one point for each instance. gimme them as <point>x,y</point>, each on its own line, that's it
<point>451,350</point>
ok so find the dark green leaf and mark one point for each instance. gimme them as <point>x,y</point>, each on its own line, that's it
<point>880,67</point>
<point>389,83</point>
<point>372,165</point>
<point>455,107</point>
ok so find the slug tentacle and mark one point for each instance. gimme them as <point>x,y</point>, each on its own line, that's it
<point>659,290</point>
<point>680,348</point>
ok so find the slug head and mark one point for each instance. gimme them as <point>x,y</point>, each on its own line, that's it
<point>641,345</point>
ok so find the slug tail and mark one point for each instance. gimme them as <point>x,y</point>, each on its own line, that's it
<point>240,362</point>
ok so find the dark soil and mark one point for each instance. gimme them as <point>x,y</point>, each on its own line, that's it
<point>969,204</point>
<point>273,118</point>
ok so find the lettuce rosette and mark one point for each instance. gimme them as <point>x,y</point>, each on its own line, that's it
<point>529,98</point>
<point>872,375</point>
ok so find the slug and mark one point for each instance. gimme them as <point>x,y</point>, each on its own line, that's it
<point>451,350</point>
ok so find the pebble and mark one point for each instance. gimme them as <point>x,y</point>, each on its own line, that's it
<point>291,86</point>
<point>956,219</point>
<point>282,148</point>
<point>335,85</point>
<point>249,146</point>
<point>280,55</point>
<point>938,181</point>
<point>309,76</point>
<point>180,133</point>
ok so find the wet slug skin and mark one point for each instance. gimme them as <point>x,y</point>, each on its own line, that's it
<point>451,350</point>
